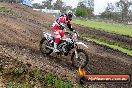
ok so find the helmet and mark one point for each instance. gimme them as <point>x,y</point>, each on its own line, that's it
<point>69,15</point>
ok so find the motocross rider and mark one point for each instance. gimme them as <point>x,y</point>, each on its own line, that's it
<point>59,26</point>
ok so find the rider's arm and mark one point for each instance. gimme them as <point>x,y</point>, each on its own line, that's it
<point>61,21</point>
<point>70,26</point>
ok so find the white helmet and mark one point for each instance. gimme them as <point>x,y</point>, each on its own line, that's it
<point>69,15</point>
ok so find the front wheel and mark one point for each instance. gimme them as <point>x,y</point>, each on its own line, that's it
<point>82,59</point>
<point>43,47</point>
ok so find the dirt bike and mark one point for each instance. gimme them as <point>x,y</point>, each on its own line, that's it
<point>78,56</point>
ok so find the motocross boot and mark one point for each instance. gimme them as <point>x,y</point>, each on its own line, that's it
<point>55,48</point>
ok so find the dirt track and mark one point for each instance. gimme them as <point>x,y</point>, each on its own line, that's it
<point>20,36</point>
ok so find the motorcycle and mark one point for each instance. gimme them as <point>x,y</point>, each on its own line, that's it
<point>78,56</point>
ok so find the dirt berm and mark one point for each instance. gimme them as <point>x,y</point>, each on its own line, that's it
<point>21,31</point>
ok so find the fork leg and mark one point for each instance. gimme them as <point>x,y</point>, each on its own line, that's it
<point>76,54</point>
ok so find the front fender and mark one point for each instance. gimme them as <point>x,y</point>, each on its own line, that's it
<point>81,43</point>
<point>46,35</point>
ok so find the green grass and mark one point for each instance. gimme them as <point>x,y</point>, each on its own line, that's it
<point>108,27</point>
<point>18,71</point>
<point>46,79</point>
<point>128,52</point>
<point>110,42</point>
<point>6,10</point>
<point>53,80</point>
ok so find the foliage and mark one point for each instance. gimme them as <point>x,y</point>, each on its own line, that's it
<point>115,16</point>
<point>124,6</point>
<point>37,6</point>
<point>49,79</point>
<point>53,80</point>
<point>89,4</point>
<point>59,5</point>
<point>120,11</point>
<point>110,7</point>
<point>66,8</point>
<point>81,12</point>
<point>110,14</point>
<point>17,71</point>
<point>36,75</point>
<point>6,10</point>
<point>62,84</point>
<point>85,8</point>
<point>47,4</point>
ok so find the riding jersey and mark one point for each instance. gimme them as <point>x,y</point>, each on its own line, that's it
<point>58,27</point>
<point>61,23</point>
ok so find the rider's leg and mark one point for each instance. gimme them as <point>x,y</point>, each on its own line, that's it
<point>58,35</point>
<point>62,33</point>
<point>57,40</point>
<point>55,45</point>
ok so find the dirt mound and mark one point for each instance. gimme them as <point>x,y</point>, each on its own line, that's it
<point>27,13</point>
<point>24,26</point>
<point>20,34</point>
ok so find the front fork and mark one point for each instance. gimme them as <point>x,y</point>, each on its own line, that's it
<point>76,53</point>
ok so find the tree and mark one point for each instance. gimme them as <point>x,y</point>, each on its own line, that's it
<point>47,4</point>
<point>66,8</point>
<point>115,16</point>
<point>109,11</point>
<point>81,11</point>
<point>88,6</point>
<point>130,15</point>
<point>123,7</point>
<point>110,7</point>
<point>81,3</point>
<point>37,6</point>
<point>59,5</point>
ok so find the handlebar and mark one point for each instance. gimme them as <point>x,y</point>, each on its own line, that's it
<point>72,35</point>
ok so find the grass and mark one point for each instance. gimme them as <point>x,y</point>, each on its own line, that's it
<point>18,71</point>
<point>110,42</point>
<point>51,80</point>
<point>108,27</point>
<point>128,52</point>
<point>47,80</point>
<point>6,10</point>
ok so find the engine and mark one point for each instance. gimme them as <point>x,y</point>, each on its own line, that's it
<point>65,46</point>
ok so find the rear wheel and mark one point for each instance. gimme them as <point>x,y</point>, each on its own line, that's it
<point>82,59</point>
<point>43,47</point>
